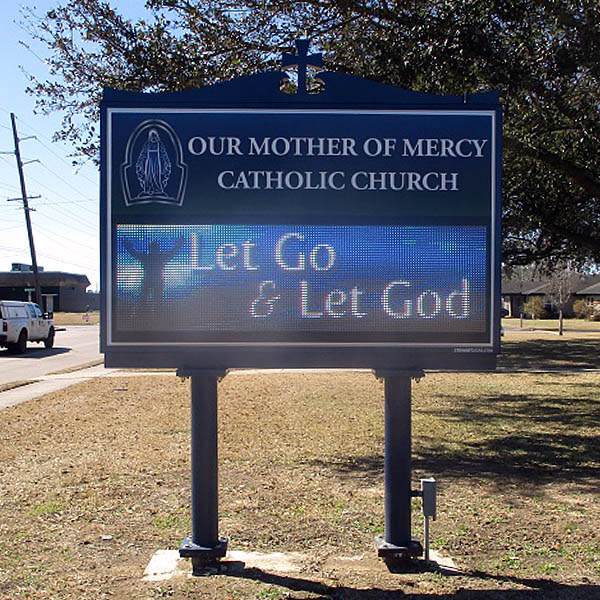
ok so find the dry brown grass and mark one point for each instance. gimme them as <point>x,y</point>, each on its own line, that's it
<point>67,318</point>
<point>301,470</point>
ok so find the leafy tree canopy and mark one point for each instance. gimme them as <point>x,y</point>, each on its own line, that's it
<point>543,56</point>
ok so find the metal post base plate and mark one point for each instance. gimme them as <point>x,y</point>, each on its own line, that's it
<point>201,556</point>
<point>389,551</point>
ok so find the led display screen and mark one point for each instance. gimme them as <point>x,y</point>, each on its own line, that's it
<point>302,283</point>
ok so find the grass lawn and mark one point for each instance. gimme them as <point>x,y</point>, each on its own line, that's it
<point>95,478</point>
<point>552,324</point>
<point>541,349</point>
<point>66,318</point>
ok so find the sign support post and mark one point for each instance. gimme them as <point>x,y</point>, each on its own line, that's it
<point>397,542</point>
<point>204,547</point>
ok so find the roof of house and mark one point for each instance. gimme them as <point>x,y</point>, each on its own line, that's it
<point>517,286</point>
<point>590,290</point>
<point>46,278</point>
<point>542,286</point>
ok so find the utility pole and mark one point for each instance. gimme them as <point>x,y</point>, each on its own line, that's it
<point>36,278</point>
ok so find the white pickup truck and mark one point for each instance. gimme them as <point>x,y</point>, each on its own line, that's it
<point>21,322</point>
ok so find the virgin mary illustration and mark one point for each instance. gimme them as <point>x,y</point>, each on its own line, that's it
<point>153,167</point>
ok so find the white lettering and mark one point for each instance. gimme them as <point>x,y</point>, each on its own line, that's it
<point>386,301</point>
<point>304,312</point>
<point>221,182</point>
<point>479,145</point>
<point>449,178</point>
<point>195,255</point>
<point>246,257</point>
<point>329,251</point>
<point>389,145</point>
<point>447,147</point>
<point>427,186</point>
<point>349,144</point>
<point>280,146</point>
<point>197,146</point>
<point>354,181</point>
<point>334,299</point>
<point>225,252</point>
<point>242,181</point>
<point>463,299</point>
<point>288,180</point>
<point>273,180</point>
<point>460,151</point>
<point>410,150</point>
<point>279,247</point>
<point>355,295</point>
<point>372,142</point>
<point>331,180</point>
<point>264,304</point>
<point>427,297</point>
<point>255,148</point>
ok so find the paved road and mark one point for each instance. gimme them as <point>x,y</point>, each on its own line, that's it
<point>77,345</point>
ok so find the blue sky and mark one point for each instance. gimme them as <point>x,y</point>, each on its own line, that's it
<point>65,221</point>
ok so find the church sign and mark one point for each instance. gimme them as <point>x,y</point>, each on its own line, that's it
<point>246,227</point>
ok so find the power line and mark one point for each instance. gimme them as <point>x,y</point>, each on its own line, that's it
<point>69,226</point>
<point>59,157</point>
<point>63,180</point>
<point>78,224</point>
<point>79,174</point>
<point>68,202</point>
<point>54,192</point>
<point>6,160</point>
<point>69,240</point>
<point>12,249</point>
<point>68,262</point>
<point>63,210</point>
<point>59,195</point>
<point>50,149</point>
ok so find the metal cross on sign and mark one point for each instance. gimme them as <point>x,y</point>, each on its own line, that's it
<point>302,60</point>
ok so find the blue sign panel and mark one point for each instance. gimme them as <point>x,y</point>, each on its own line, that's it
<point>231,282</point>
<point>314,163</point>
<point>344,236</point>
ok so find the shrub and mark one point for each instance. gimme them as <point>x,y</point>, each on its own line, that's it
<point>582,309</point>
<point>536,306</point>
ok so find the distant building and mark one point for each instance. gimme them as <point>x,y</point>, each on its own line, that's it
<point>591,294</point>
<point>64,292</point>
<point>93,300</point>
<point>515,292</point>
<point>24,267</point>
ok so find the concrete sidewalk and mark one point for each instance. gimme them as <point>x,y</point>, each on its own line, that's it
<point>46,384</point>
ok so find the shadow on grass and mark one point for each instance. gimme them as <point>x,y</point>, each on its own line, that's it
<point>550,354</point>
<point>525,439</point>
<point>537,438</point>
<point>528,412</point>
<point>537,589</point>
